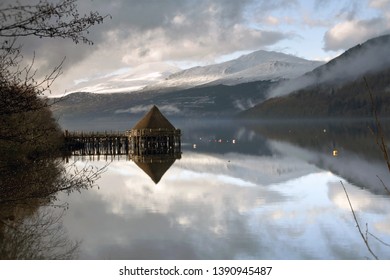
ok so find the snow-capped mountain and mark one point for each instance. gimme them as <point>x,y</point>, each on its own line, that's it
<point>128,79</point>
<point>256,66</point>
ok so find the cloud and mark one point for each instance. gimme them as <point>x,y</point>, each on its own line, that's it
<point>148,31</point>
<point>267,6</point>
<point>380,4</point>
<point>190,32</point>
<point>354,24</point>
<point>349,33</point>
<point>373,56</point>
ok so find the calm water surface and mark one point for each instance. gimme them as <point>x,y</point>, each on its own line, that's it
<point>253,191</point>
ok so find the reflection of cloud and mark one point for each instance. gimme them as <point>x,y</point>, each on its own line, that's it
<point>372,213</point>
<point>383,225</point>
<point>361,200</point>
<point>205,208</point>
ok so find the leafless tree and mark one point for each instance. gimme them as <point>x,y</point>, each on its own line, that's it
<point>43,20</point>
<point>19,88</point>
<point>30,138</point>
<point>36,235</point>
<point>378,133</point>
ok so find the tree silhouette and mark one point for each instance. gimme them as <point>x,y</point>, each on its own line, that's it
<point>43,20</point>
<point>31,170</point>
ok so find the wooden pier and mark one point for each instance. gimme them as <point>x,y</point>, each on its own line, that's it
<point>111,144</point>
<point>96,143</point>
<point>153,144</point>
<point>154,141</point>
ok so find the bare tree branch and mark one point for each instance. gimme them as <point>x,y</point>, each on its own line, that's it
<point>365,238</point>
<point>379,134</point>
<point>48,20</point>
<point>44,19</point>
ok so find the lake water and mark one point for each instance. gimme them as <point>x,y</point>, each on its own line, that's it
<point>240,191</point>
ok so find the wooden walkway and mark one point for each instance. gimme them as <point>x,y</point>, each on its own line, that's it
<point>97,143</point>
<point>119,144</point>
<point>154,151</point>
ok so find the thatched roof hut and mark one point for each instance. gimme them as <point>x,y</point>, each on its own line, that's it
<point>154,123</point>
<point>155,144</point>
<point>154,119</point>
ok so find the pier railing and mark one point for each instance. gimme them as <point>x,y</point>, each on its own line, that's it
<point>132,142</point>
<point>96,143</point>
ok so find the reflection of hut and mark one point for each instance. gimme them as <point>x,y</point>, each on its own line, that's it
<point>155,144</point>
<point>156,166</point>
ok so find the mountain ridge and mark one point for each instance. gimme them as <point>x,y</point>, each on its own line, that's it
<point>256,66</point>
<point>370,56</point>
<point>336,89</point>
<point>217,101</point>
<point>326,94</point>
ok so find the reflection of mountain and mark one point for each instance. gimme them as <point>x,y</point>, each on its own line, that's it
<point>352,137</point>
<point>222,137</point>
<point>247,209</point>
<point>358,160</point>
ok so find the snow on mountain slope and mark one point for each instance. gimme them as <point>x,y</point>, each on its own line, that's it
<point>257,66</point>
<point>128,79</point>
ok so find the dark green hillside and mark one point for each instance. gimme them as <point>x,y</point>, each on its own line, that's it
<point>326,100</point>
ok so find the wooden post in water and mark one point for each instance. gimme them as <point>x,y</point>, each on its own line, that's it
<point>152,135</point>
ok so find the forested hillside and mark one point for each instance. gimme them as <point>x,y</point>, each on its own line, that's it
<point>326,100</point>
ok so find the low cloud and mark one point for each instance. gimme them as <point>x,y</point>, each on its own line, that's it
<point>165,109</point>
<point>244,104</point>
<point>373,56</point>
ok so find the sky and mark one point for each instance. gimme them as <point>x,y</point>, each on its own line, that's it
<point>187,33</point>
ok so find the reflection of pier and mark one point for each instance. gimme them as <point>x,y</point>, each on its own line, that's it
<point>153,144</point>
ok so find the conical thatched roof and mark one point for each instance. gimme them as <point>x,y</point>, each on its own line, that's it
<point>154,119</point>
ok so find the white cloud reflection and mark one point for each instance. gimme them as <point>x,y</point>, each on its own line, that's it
<point>205,207</point>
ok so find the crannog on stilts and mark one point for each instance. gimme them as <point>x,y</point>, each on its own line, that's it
<point>154,135</point>
<point>153,144</point>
